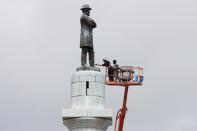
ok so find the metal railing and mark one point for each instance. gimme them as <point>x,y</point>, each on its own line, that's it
<point>124,74</point>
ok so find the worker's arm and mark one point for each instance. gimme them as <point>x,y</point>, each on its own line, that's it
<point>99,64</point>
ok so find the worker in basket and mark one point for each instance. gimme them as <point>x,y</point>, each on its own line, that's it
<point>116,70</point>
<point>110,70</point>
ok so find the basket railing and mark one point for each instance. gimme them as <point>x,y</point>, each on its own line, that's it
<point>125,74</point>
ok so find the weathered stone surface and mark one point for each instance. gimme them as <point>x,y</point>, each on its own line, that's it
<point>82,68</point>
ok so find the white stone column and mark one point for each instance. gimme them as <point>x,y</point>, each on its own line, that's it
<point>87,112</point>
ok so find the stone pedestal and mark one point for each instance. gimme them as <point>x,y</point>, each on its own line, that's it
<point>87,112</point>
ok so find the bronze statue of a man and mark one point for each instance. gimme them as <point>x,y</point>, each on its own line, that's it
<point>86,37</point>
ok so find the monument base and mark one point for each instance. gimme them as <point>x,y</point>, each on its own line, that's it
<point>87,111</point>
<point>87,124</point>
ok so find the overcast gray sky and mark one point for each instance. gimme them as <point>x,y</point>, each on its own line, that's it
<point>39,51</point>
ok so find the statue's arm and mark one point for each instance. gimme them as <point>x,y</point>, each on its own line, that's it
<point>93,23</point>
<point>90,22</point>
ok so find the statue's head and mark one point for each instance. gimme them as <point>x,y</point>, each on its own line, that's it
<point>86,9</point>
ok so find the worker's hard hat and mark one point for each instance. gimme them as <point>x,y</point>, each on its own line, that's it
<point>105,59</point>
<point>85,6</point>
<point>114,61</point>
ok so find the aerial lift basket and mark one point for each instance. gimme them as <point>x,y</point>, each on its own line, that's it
<point>124,76</point>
